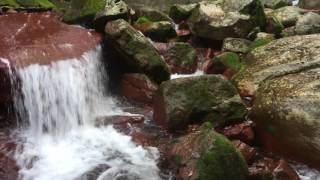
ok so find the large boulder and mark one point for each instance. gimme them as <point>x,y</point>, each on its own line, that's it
<point>207,155</point>
<point>160,31</point>
<point>137,51</point>
<point>182,101</point>
<point>284,78</point>
<point>218,20</point>
<point>181,12</point>
<point>287,15</point>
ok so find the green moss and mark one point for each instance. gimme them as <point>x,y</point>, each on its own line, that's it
<point>37,3</point>
<point>259,43</point>
<point>143,19</point>
<point>9,3</point>
<point>222,161</point>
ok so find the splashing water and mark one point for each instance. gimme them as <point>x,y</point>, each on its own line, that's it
<point>58,140</point>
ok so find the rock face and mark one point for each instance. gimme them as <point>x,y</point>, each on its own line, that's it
<point>138,51</point>
<point>182,101</point>
<point>38,38</point>
<point>205,155</point>
<point>218,20</point>
<point>284,76</point>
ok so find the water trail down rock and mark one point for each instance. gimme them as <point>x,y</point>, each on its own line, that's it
<point>58,140</point>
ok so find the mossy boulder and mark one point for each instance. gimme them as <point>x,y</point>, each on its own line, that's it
<point>181,57</point>
<point>287,15</point>
<point>152,14</point>
<point>138,52</point>
<point>275,4</point>
<point>181,12</point>
<point>284,78</point>
<point>112,11</point>
<point>226,61</point>
<point>160,31</point>
<point>25,4</point>
<point>207,155</point>
<point>84,11</point>
<point>183,101</point>
<point>217,20</point>
<point>236,45</point>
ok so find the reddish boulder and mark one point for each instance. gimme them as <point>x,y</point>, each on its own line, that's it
<point>247,152</point>
<point>138,87</point>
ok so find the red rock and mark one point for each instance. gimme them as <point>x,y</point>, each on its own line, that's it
<point>138,87</point>
<point>247,151</point>
<point>243,132</point>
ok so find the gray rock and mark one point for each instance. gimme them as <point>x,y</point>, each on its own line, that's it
<point>275,4</point>
<point>284,77</point>
<point>152,14</point>
<point>309,4</point>
<point>265,36</point>
<point>180,12</point>
<point>218,20</point>
<point>287,15</point>
<point>160,31</point>
<point>309,23</point>
<point>236,45</point>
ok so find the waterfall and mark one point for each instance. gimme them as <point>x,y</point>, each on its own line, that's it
<point>58,104</point>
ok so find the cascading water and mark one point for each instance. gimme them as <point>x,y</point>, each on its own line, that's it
<point>58,140</point>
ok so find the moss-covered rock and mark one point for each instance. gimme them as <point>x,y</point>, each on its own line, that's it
<point>137,50</point>
<point>181,57</point>
<point>218,20</point>
<point>182,101</point>
<point>236,45</point>
<point>112,11</point>
<point>160,31</point>
<point>209,156</point>
<point>152,14</point>
<point>180,12</point>
<point>284,78</point>
<point>9,4</point>
<point>25,4</point>
<point>227,60</point>
<point>84,11</point>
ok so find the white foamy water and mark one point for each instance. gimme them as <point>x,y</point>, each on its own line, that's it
<point>58,140</point>
<point>306,173</point>
<point>197,73</point>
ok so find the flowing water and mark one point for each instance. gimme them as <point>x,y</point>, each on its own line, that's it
<point>57,140</point>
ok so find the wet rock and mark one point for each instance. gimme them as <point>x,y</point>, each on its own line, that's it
<point>284,76</point>
<point>138,87</point>
<point>119,120</point>
<point>160,31</point>
<point>205,154</point>
<point>275,4</point>
<point>182,101</point>
<point>181,12</point>
<point>243,132</point>
<point>140,138</point>
<point>309,4</point>
<point>138,51</point>
<point>236,45</point>
<point>309,23</point>
<point>247,152</point>
<point>181,57</point>
<point>112,11</point>
<point>152,14</point>
<point>217,20</point>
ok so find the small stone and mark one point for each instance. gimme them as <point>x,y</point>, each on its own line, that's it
<point>236,45</point>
